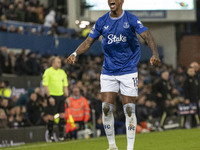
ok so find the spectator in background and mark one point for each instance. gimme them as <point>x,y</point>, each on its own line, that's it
<point>196,67</point>
<point>3,113</point>
<point>5,91</point>
<point>80,109</point>
<point>143,114</point>
<point>163,92</point>
<point>49,20</point>
<point>18,111</point>
<point>1,62</point>
<point>21,67</point>
<point>141,110</point>
<point>12,29</point>
<point>34,109</point>
<point>3,118</point>
<point>53,30</point>
<point>10,13</point>
<point>34,2</point>
<point>61,18</point>
<point>16,2</point>
<point>179,78</point>
<point>192,94</point>
<point>20,30</point>
<point>32,64</point>
<point>7,68</point>
<point>20,12</point>
<point>86,32</point>
<point>34,15</point>
<point>40,11</point>
<point>96,104</point>
<point>2,8</point>
<point>3,27</point>
<point>12,60</point>
<point>28,13</point>
<point>42,102</point>
<point>5,60</point>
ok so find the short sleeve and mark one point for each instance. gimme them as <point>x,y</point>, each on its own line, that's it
<point>7,93</point>
<point>137,25</point>
<point>45,78</point>
<point>65,83</point>
<point>96,30</point>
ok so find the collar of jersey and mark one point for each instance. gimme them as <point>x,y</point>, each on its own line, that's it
<point>116,18</point>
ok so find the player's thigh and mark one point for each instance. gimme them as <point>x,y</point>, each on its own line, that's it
<point>50,110</point>
<point>61,105</point>
<point>109,84</point>
<point>128,99</point>
<point>129,84</point>
<point>109,97</point>
<point>109,88</point>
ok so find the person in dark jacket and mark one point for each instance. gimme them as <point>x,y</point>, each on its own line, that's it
<point>141,110</point>
<point>21,67</point>
<point>191,92</point>
<point>34,110</point>
<point>196,67</point>
<point>163,92</point>
<point>32,64</point>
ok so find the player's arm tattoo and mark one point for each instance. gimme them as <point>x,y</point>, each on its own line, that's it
<point>85,45</point>
<point>146,35</point>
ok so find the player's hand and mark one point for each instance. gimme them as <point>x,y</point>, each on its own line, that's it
<point>67,100</point>
<point>52,101</point>
<point>71,59</point>
<point>155,60</point>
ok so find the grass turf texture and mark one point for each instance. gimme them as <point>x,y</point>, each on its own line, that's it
<point>167,140</point>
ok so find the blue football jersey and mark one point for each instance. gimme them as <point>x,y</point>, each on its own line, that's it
<point>120,44</point>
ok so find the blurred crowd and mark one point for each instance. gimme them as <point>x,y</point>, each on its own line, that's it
<point>161,90</point>
<point>21,63</point>
<point>31,11</point>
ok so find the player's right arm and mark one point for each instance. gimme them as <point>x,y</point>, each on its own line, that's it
<point>46,89</point>
<point>80,50</point>
<point>49,97</point>
<point>45,82</point>
<point>94,35</point>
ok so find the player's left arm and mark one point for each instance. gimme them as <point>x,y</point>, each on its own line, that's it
<point>146,35</point>
<point>65,85</point>
<point>66,92</point>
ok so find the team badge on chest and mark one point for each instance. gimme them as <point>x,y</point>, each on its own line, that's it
<point>126,25</point>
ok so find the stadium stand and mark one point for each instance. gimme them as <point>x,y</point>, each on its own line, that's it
<point>37,43</point>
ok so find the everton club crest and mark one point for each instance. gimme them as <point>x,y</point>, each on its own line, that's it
<point>126,25</point>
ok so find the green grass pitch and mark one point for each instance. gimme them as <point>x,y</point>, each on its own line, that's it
<point>167,140</point>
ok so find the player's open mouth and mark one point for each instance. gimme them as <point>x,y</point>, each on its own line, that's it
<point>112,5</point>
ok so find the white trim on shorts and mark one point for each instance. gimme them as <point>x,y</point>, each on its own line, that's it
<point>126,84</point>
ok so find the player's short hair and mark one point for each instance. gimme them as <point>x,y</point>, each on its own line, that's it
<point>52,59</point>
